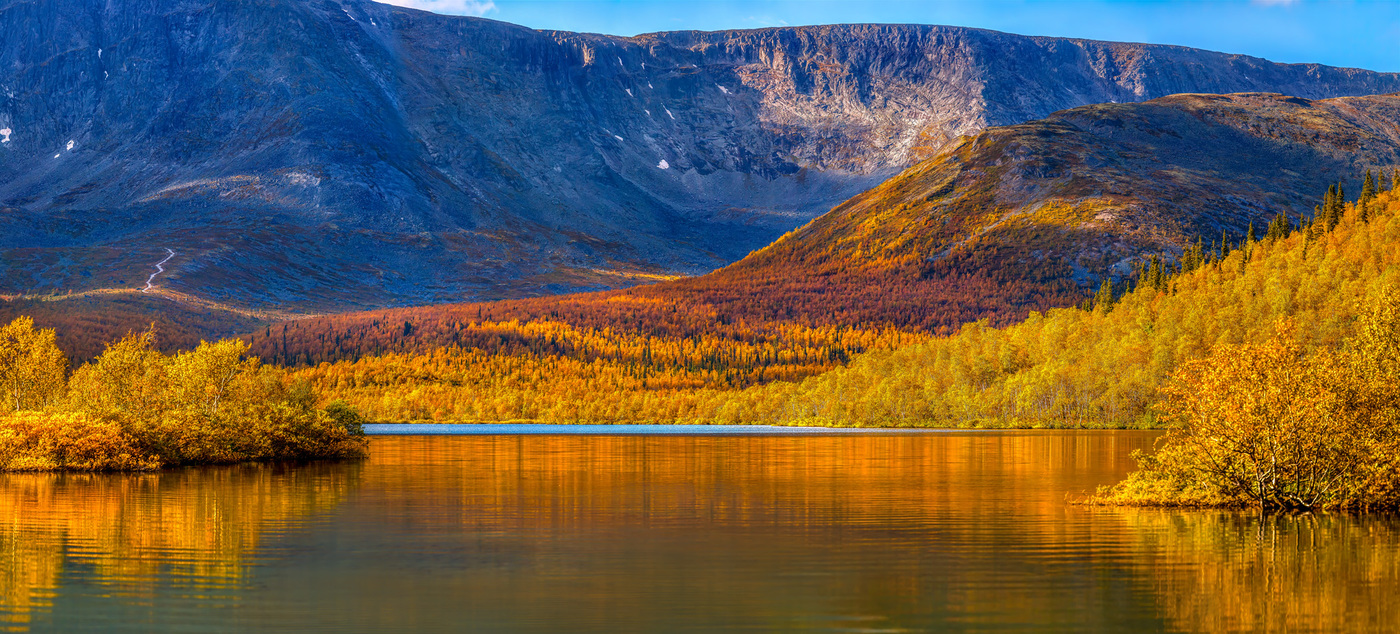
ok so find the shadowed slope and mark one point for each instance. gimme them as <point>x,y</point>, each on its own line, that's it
<point>318,156</point>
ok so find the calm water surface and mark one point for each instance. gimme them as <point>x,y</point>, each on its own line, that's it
<point>657,533</point>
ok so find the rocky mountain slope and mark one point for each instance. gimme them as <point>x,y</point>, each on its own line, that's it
<point>1014,219</point>
<point>324,155</point>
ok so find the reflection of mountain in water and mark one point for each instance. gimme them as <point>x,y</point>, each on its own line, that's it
<point>137,536</point>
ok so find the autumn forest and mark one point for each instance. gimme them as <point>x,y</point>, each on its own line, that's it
<point>814,345</point>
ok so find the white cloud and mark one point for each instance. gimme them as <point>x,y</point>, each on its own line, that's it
<point>477,8</point>
<point>766,20</point>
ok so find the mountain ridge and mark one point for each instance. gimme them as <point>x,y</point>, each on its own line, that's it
<point>323,156</point>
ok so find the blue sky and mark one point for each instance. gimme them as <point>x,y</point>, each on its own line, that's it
<point>1359,33</point>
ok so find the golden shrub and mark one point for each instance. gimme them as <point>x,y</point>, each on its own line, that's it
<point>135,408</point>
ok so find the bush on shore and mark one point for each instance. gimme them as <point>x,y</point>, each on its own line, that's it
<point>134,408</point>
<point>1273,426</point>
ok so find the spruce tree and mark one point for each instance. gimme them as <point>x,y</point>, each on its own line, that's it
<point>1192,257</point>
<point>1368,188</point>
<point>1329,203</point>
<point>1334,215</point>
<point>1152,278</point>
<point>1278,228</point>
<point>1103,300</point>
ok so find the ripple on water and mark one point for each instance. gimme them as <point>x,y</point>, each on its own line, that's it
<point>670,532</point>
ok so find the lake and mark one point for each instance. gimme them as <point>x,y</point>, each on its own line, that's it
<point>887,532</point>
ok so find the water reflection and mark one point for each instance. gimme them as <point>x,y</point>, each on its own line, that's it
<point>1219,572</point>
<point>134,538</point>
<point>946,532</point>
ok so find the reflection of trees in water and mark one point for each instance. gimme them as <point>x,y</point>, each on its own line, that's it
<point>968,531</point>
<point>794,532</point>
<point>1223,571</point>
<point>195,528</point>
<point>511,482</point>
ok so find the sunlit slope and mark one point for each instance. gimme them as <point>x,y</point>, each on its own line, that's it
<point>983,232</point>
<point>1066,367</point>
<point>1016,219</point>
<point>1024,217</point>
<point>1103,367</point>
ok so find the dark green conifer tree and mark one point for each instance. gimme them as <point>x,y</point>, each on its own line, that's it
<point>1334,215</point>
<point>1325,213</point>
<point>1152,275</point>
<point>1368,191</point>
<point>1103,300</point>
<point>1278,228</point>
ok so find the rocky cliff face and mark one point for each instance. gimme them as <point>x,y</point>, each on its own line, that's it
<point>335,154</point>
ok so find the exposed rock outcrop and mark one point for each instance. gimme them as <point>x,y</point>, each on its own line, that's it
<point>335,154</point>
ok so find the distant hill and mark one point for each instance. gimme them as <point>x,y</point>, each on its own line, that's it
<point>1067,367</point>
<point>315,156</point>
<point>1017,218</point>
<point>1024,217</point>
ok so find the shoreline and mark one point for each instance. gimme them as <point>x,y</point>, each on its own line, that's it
<point>627,429</point>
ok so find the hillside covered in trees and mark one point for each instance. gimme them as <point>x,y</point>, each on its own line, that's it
<point>1099,364</point>
<point>1016,219</point>
<point>1011,223</point>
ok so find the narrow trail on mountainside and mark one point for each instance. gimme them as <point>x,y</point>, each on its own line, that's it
<point>159,269</point>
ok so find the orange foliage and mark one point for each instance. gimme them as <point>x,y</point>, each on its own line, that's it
<point>36,441</point>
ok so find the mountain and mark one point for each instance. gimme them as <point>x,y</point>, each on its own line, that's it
<point>1065,368</point>
<point>1015,219</point>
<point>1023,217</point>
<point>327,155</point>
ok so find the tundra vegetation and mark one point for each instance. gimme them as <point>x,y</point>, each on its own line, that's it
<point>1100,364</point>
<point>134,408</point>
